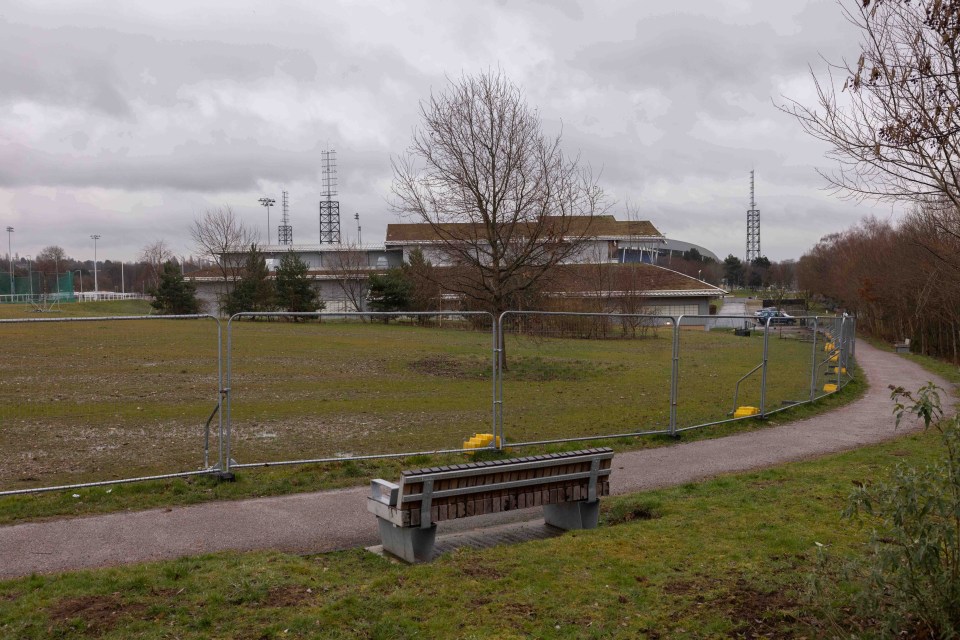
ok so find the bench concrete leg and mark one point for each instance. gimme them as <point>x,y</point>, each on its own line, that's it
<point>412,544</point>
<point>572,515</point>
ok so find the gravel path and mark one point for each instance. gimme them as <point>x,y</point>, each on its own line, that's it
<point>331,520</point>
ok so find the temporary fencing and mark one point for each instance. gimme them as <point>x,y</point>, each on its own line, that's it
<point>576,376</point>
<point>89,401</point>
<point>288,393</point>
<point>104,400</point>
<point>720,369</point>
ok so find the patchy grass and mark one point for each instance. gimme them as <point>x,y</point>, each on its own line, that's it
<point>286,480</point>
<point>78,310</point>
<point>114,400</point>
<point>723,558</point>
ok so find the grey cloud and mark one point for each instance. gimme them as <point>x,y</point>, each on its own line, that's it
<point>193,166</point>
<point>124,81</point>
<point>105,69</point>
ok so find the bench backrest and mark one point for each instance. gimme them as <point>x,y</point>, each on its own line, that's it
<point>472,489</point>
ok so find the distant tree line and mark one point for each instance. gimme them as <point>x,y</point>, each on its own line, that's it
<point>901,280</point>
<point>134,276</point>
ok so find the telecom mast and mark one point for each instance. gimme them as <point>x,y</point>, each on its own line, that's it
<point>753,227</point>
<point>329,208</point>
<point>285,231</point>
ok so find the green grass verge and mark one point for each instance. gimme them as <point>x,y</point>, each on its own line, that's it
<point>723,558</point>
<point>79,310</point>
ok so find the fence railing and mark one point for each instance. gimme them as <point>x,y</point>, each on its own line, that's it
<point>94,401</point>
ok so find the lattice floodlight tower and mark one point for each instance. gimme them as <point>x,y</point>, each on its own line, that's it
<point>329,208</point>
<point>285,231</point>
<point>753,227</point>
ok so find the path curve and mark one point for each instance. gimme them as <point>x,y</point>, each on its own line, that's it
<point>332,520</point>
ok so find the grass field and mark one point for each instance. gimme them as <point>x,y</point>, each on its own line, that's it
<point>725,558</point>
<point>83,401</point>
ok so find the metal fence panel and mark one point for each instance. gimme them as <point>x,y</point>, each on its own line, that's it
<point>91,400</point>
<point>335,386</point>
<point>94,400</point>
<point>569,376</point>
<point>720,368</point>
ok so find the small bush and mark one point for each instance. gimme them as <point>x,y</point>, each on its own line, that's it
<point>908,583</point>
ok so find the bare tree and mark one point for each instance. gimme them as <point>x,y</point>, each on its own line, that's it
<point>153,256</point>
<point>893,126</point>
<point>501,198</point>
<point>220,236</point>
<point>352,270</point>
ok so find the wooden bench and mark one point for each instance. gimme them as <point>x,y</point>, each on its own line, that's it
<point>567,485</point>
<point>902,347</point>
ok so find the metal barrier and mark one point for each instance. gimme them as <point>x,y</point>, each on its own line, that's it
<point>543,342</point>
<point>83,399</point>
<point>100,401</point>
<point>315,407</point>
<point>782,370</point>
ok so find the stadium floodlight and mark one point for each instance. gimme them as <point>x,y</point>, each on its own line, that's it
<point>10,255</point>
<point>267,202</point>
<point>96,285</point>
<point>30,274</point>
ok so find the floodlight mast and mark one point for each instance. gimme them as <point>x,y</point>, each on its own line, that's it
<point>267,202</point>
<point>96,285</point>
<point>753,227</point>
<point>10,255</point>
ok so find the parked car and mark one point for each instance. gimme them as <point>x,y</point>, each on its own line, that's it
<point>776,317</point>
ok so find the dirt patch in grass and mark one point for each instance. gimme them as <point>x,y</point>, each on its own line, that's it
<point>518,610</point>
<point>98,614</point>
<point>442,366</point>
<point>754,611</point>
<point>681,587</point>
<point>762,614</point>
<point>287,596</point>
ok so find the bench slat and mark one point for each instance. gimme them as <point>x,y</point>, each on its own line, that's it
<point>512,484</point>
<point>468,471</point>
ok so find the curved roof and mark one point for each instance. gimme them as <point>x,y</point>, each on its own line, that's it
<point>670,244</point>
<point>596,227</point>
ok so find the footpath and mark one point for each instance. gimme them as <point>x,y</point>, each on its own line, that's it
<point>335,520</point>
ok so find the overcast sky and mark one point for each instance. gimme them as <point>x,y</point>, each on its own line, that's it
<point>128,119</point>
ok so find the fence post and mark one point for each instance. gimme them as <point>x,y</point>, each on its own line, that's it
<point>841,350</point>
<point>675,376</point>
<point>219,390</point>
<point>497,408</point>
<point>763,372</point>
<point>813,363</point>
<point>224,461</point>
